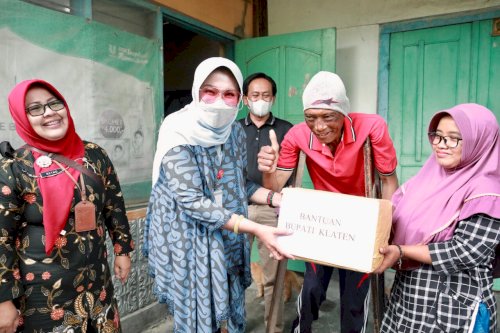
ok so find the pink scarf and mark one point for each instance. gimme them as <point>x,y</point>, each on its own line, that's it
<point>57,192</point>
<point>428,206</point>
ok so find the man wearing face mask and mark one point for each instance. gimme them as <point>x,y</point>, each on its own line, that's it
<point>259,93</point>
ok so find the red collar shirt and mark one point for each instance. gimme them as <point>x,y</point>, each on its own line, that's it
<point>342,172</point>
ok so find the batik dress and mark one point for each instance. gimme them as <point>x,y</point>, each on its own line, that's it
<point>440,297</point>
<point>71,288</point>
<point>200,270</point>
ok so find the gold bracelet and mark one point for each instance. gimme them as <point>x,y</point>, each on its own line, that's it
<point>236,225</point>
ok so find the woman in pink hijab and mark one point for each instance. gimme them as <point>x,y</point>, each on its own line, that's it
<point>446,227</point>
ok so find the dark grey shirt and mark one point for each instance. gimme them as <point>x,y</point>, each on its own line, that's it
<point>258,137</point>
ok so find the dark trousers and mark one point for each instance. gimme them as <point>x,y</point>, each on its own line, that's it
<point>354,302</point>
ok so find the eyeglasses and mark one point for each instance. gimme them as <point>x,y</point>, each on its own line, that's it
<point>39,109</point>
<point>254,97</point>
<point>209,95</point>
<point>449,141</point>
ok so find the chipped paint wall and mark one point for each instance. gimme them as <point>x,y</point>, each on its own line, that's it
<point>231,16</point>
<point>357,23</point>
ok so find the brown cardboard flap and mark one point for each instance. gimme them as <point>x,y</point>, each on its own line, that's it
<point>383,231</point>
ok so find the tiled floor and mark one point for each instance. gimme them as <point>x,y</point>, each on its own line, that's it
<point>328,321</point>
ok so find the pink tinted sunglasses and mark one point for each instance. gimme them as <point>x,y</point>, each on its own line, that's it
<point>209,95</point>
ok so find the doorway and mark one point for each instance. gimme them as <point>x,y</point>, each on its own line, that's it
<point>183,50</point>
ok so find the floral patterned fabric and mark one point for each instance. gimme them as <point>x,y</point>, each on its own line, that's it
<point>70,289</point>
<point>200,270</point>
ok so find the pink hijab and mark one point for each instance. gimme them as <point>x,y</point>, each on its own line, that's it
<point>57,192</point>
<point>429,205</point>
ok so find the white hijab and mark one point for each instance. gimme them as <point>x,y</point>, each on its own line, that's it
<point>184,126</point>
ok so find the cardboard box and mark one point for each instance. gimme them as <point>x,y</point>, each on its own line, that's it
<point>335,229</point>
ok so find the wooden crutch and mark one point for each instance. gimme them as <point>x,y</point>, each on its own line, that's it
<point>372,190</point>
<point>279,281</point>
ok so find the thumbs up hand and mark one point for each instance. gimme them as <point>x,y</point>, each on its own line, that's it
<point>274,141</point>
<point>267,158</point>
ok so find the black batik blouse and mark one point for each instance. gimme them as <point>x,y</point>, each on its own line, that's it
<point>71,288</point>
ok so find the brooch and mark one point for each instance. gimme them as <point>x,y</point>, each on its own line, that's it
<point>43,161</point>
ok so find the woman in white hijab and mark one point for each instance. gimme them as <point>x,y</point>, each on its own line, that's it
<point>194,235</point>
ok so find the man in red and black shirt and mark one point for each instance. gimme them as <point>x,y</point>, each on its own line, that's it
<point>332,140</point>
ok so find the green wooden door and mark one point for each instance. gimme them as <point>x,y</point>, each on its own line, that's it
<point>291,60</point>
<point>486,89</point>
<point>432,69</point>
<point>429,70</point>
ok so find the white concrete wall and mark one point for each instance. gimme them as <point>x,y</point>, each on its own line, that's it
<point>357,23</point>
<point>357,63</point>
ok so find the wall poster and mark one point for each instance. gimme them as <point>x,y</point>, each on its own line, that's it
<point>109,77</point>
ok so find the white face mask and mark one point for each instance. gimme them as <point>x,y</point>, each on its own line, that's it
<point>260,108</point>
<point>218,114</point>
